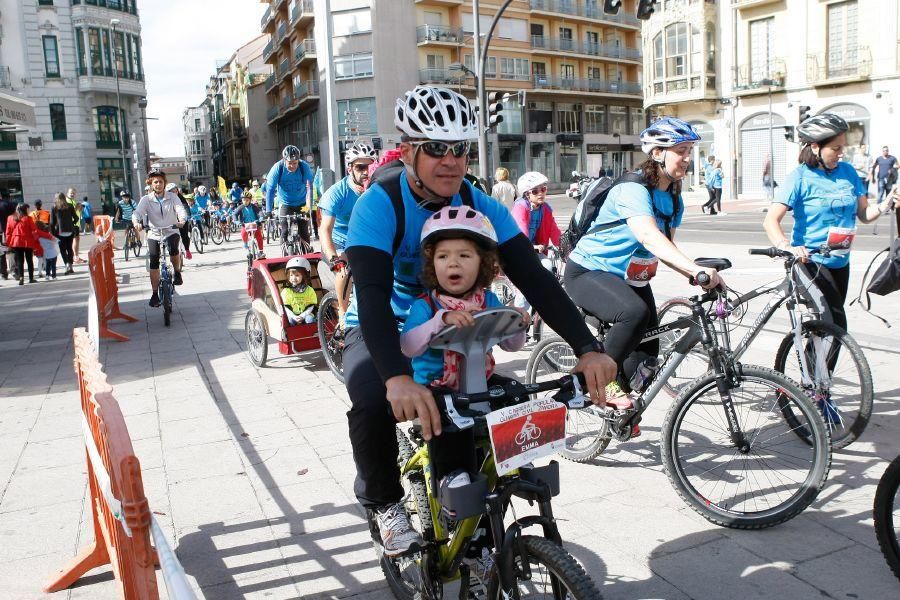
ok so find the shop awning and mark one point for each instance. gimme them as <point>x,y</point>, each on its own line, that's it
<point>16,112</point>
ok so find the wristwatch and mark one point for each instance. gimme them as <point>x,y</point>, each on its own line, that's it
<point>593,346</point>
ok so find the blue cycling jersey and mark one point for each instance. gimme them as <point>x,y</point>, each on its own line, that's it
<point>824,204</point>
<point>289,187</point>
<point>338,202</point>
<point>202,201</point>
<point>373,224</point>
<point>126,208</point>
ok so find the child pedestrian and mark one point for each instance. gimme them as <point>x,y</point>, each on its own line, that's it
<point>50,249</point>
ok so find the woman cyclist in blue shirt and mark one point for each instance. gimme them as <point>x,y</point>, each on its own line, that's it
<point>827,197</point>
<point>609,271</point>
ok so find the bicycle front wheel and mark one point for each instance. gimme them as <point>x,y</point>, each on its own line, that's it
<point>197,239</point>
<point>845,394</point>
<point>887,515</point>
<point>587,432</point>
<point>551,572</point>
<point>126,247</point>
<point>769,478</point>
<point>216,234</point>
<point>331,336</point>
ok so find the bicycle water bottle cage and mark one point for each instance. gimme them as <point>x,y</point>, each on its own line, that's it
<point>491,327</point>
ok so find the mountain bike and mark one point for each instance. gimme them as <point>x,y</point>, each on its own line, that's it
<point>272,231</point>
<point>331,328</point>
<point>464,527</point>
<point>166,289</point>
<point>196,237</point>
<point>742,445</point>
<point>826,361</point>
<point>219,230</point>
<point>133,244</point>
<point>295,243</point>
<point>886,513</point>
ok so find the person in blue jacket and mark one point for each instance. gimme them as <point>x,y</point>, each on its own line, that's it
<point>827,197</point>
<point>290,180</point>
<point>235,194</point>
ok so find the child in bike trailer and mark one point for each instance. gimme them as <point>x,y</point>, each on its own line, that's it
<point>460,260</point>
<point>249,213</point>
<point>299,297</point>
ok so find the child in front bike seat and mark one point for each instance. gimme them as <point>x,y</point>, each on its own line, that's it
<point>298,296</point>
<point>460,260</point>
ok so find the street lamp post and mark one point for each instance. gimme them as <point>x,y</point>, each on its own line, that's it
<point>119,116</point>
<point>770,188</point>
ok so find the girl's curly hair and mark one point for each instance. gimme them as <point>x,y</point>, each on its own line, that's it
<point>487,270</point>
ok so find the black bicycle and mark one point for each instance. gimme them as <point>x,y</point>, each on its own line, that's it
<point>886,513</point>
<point>331,327</point>
<point>743,445</point>
<point>133,244</point>
<point>295,243</point>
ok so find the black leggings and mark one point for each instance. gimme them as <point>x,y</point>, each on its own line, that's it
<point>185,233</point>
<point>24,256</point>
<point>829,290</point>
<point>65,249</point>
<point>630,310</point>
<point>153,250</point>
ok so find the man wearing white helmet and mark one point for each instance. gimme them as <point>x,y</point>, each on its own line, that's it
<point>437,128</point>
<point>336,206</point>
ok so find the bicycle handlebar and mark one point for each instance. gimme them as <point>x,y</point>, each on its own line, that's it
<point>773,252</point>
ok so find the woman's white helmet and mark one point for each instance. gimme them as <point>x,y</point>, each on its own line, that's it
<point>436,113</point>
<point>298,262</point>
<point>359,151</point>
<point>529,181</point>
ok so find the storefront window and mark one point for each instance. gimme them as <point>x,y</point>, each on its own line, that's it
<point>512,117</point>
<point>542,159</point>
<point>618,119</point>
<point>594,118</point>
<point>511,157</point>
<point>569,117</point>
<point>637,120</point>
<point>540,117</point>
<point>112,179</point>
<point>569,159</point>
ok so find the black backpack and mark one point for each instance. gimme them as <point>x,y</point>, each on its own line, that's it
<point>589,207</point>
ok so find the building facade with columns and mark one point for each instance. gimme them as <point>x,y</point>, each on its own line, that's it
<point>66,58</point>
<point>741,70</point>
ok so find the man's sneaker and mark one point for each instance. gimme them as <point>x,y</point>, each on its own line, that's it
<point>397,535</point>
<point>154,300</point>
<point>188,255</point>
<point>178,280</point>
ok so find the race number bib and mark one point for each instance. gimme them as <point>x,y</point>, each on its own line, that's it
<point>524,432</point>
<point>641,269</point>
<point>840,239</point>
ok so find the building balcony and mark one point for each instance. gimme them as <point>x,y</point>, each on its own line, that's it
<point>266,18</point>
<point>271,113</point>
<point>284,69</point>
<point>109,144</point>
<point>441,2</point>
<point>281,32</point>
<point>839,67</point>
<point>543,44</point>
<point>751,3</point>
<point>444,76</point>
<point>682,89</point>
<point>305,51</point>
<point>438,35</point>
<point>305,92</point>
<point>268,50</point>
<point>270,82</point>
<point>750,79</point>
<point>596,86</point>
<point>302,12</point>
<point>107,84</point>
<point>579,8</point>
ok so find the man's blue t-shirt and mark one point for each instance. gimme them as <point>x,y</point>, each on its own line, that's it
<point>373,224</point>
<point>202,201</point>
<point>885,164</point>
<point>338,202</point>
<point>289,187</point>
<point>822,203</point>
<point>611,250</point>
<point>429,365</point>
<point>236,194</point>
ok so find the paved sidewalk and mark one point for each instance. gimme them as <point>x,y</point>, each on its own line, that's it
<point>249,470</point>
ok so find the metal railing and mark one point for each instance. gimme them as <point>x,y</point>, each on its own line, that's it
<point>439,33</point>
<point>270,82</point>
<point>586,85</point>
<point>306,48</point>
<point>284,68</point>
<point>270,47</point>
<point>852,63</point>
<point>272,112</point>
<point>754,76</point>
<point>589,48</point>
<point>281,31</point>
<point>306,89</point>
<point>265,18</point>
<point>593,10</point>
<point>301,7</point>
<point>441,76</point>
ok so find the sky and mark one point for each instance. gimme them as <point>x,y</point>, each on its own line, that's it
<point>182,40</point>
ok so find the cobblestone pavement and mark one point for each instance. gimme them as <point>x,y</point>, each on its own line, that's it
<point>250,472</point>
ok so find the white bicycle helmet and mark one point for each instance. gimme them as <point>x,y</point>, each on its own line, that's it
<point>298,262</point>
<point>436,113</point>
<point>359,151</point>
<point>529,181</point>
<point>201,190</point>
<point>821,127</point>
<point>171,186</point>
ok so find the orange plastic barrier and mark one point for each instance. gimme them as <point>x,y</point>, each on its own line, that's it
<point>106,288</point>
<point>119,509</point>
<point>103,229</point>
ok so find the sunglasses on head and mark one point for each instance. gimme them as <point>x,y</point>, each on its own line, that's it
<point>440,149</point>
<point>539,190</point>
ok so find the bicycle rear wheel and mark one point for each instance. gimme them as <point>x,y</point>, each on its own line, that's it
<point>331,336</point>
<point>138,246</point>
<point>777,474</point>
<point>587,432</point>
<point>696,363</point>
<point>216,234</point>
<point>886,513</point>
<point>846,404</point>
<point>551,573</point>
<point>165,293</point>
<point>126,247</point>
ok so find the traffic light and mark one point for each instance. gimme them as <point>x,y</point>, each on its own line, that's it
<point>495,105</point>
<point>804,113</point>
<point>645,9</point>
<point>611,7</point>
<point>789,133</point>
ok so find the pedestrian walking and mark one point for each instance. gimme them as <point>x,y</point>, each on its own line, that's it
<point>863,163</point>
<point>7,209</point>
<point>503,190</point>
<point>87,219</point>
<point>714,183</point>
<point>71,194</point>
<point>20,237</point>
<point>63,225</point>
<point>708,167</point>
<point>884,172</point>
<point>769,177</point>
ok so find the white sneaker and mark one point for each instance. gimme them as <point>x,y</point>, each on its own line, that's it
<point>397,535</point>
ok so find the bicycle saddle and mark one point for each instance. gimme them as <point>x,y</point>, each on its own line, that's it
<point>719,264</point>
<point>491,327</point>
